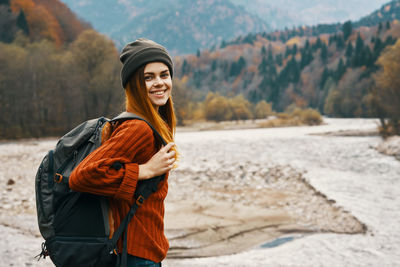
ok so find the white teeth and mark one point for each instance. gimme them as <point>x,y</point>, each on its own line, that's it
<point>158,92</point>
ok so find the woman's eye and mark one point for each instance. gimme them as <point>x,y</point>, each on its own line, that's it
<point>147,78</point>
<point>165,75</point>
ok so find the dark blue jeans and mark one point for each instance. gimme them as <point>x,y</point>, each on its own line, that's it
<point>140,262</point>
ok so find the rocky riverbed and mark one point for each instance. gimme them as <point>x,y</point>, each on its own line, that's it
<point>293,196</point>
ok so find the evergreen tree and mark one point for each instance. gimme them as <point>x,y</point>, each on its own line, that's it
<point>294,50</point>
<point>378,46</point>
<point>5,2</point>
<point>379,27</point>
<point>359,44</point>
<point>287,51</point>
<point>324,77</point>
<point>185,67</point>
<point>198,53</point>
<point>340,70</point>
<point>282,38</point>
<point>349,50</point>
<point>359,56</point>
<point>263,51</point>
<point>347,29</point>
<point>318,43</point>
<point>324,53</point>
<point>241,63</point>
<point>307,45</point>
<point>390,40</point>
<point>262,68</point>
<point>306,58</point>
<point>279,59</point>
<point>22,23</point>
<point>303,60</point>
<point>332,38</point>
<point>293,71</point>
<point>368,58</point>
<point>270,57</point>
<point>272,71</point>
<point>274,97</point>
<point>388,25</point>
<point>301,31</point>
<point>236,67</point>
<point>223,44</point>
<point>214,65</point>
<point>340,42</point>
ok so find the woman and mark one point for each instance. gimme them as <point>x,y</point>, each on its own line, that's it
<point>146,76</point>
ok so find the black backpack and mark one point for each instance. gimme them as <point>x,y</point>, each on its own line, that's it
<point>75,225</point>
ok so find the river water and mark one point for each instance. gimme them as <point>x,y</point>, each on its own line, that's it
<point>346,169</point>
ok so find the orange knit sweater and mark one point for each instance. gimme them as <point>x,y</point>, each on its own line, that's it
<point>132,143</point>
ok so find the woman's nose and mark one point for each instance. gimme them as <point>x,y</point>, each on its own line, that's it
<point>157,81</point>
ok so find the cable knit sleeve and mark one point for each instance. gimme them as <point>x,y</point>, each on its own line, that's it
<point>113,168</point>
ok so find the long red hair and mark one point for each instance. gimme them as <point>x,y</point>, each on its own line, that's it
<point>138,102</point>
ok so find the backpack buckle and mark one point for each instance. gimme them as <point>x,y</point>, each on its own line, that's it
<point>58,178</point>
<point>140,200</point>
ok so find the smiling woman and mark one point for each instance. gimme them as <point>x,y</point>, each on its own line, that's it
<point>146,77</point>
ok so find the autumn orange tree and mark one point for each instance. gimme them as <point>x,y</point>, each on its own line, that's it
<point>49,19</point>
<point>387,91</point>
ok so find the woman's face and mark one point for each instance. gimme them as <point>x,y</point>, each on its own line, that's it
<point>158,83</point>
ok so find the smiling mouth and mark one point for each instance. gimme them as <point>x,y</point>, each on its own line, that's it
<point>158,92</point>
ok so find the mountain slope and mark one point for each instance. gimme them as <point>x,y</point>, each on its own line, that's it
<point>331,72</point>
<point>288,13</point>
<point>191,25</point>
<point>387,12</point>
<point>182,26</point>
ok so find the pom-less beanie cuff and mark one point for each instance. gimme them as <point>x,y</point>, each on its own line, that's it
<point>139,53</point>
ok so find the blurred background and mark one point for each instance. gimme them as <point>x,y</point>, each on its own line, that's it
<point>234,60</point>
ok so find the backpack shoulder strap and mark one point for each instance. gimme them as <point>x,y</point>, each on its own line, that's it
<point>131,116</point>
<point>143,191</point>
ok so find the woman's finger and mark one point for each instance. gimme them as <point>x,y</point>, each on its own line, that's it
<point>171,153</point>
<point>168,146</point>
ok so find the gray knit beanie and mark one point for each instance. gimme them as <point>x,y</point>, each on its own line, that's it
<point>139,53</point>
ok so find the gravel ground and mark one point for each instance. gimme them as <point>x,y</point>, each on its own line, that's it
<point>347,170</point>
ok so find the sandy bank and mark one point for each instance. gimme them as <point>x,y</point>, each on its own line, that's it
<point>237,190</point>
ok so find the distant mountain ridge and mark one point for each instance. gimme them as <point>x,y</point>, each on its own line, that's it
<point>387,12</point>
<point>289,13</point>
<point>182,26</point>
<point>185,26</point>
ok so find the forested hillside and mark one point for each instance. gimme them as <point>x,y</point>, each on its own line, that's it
<point>39,19</point>
<point>54,71</point>
<point>328,72</point>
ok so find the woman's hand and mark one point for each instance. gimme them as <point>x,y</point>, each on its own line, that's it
<point>162,162</point>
